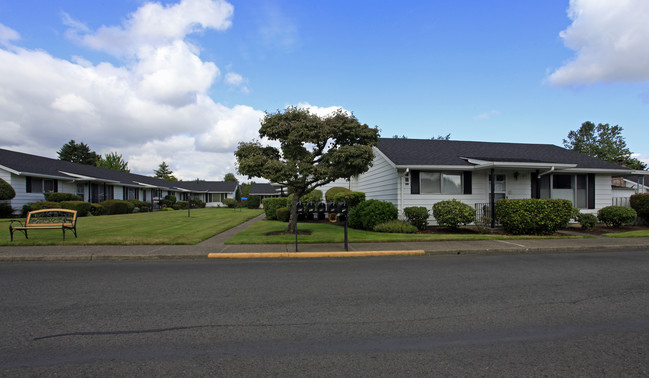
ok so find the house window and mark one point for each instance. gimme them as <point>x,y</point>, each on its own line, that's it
<point>80,190</point>
<point>49,186</point>
<point>440,183</point>
<point>578,189</point>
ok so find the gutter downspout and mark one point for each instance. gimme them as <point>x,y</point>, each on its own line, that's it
<point>546,172</point>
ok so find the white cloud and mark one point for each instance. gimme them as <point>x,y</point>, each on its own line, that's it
<point>321,111</point>
<point>153,108</point>
<point>236,80</point>
<point>7,35</point>
<point>487,115</point>
<point>610,39</point>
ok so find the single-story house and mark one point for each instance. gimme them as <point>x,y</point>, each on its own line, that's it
<point>264,190</point>
<point>416,172</point>
<point>31,176</point>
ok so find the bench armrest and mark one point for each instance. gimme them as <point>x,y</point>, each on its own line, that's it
<point>11,222</point>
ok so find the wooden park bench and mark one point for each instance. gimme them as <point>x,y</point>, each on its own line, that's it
<point>61,219</point>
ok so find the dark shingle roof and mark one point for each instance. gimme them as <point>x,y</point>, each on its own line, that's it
<point>28,164</point>
<point>257,189</point>
<point>423,152</point>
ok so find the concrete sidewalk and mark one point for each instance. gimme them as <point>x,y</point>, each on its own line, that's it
<point>216,244</point>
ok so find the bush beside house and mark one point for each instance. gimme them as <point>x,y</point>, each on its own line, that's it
<point>640,203</point>
<point>369,213</point>
<point>417,216</point>
<point>533,216</point>
<point>452,213</point>
<point>272,204</point>
<point>616,216</point>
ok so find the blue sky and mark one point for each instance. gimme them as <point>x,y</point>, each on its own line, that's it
<point>183,81</point>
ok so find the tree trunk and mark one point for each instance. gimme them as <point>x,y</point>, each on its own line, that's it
<point>292,221</point>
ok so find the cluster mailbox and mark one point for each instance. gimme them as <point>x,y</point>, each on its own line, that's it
<point>311,210</point>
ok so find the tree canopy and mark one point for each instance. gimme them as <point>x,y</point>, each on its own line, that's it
<point>78,153</point>
<point>113,161</point>
<point>7,191</point>
<point>603,142</point>
<point>313,151</point>
<point>230,177</point>
<point>164,172</point>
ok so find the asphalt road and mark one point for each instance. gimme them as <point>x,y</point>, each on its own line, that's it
<point>510,315</point>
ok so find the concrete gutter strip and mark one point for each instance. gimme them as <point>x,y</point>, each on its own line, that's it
<point>273,255</point>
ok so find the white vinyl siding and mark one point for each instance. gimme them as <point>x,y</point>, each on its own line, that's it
<point>380,182</point>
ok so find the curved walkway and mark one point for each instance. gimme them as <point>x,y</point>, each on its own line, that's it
<point>217,245</point>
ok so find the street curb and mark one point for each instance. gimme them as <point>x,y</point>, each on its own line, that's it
<point>274,255</point>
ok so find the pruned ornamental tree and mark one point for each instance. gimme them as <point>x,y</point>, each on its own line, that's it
<point>313,151</point>
<point>113,161</point>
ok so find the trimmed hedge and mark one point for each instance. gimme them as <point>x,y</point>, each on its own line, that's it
<point>44,205</point>
<point>7,191</point>
<point>452,213</point>
<point>60,197</point>
<point>616,216</point>
<point>283,214</point>
<point>587,221</point>
<point>533,216</point>
<point>272,204</point>
<point>168,201</point>
<point>82,208</point>
<point>369,213</point>
<point>396,226</point>
<point>143,206</point>
<point>253,202</point>
<point>331,193</point>
<point>113,207</point>
<point>6,211</point>
<point>97,209</point>
<point>229,202</point>
<point>640,203</point>
<point>352,199</point>
<point>180,205</point>
<point>417,216</point>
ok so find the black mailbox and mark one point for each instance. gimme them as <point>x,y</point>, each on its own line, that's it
<point>322,209</point>
<point>300,208</point>
<point>331,207</point>
<point>310,207</point>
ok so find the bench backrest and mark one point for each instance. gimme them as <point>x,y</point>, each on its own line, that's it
<point>51,217</point>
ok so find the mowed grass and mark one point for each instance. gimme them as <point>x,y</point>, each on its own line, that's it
<point>258,233</point>
<point>629,234</point>
<point>163,227</point>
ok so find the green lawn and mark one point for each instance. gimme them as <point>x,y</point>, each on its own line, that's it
<point>325,233</point>
<point>163,227</point>
<point>629,234</point>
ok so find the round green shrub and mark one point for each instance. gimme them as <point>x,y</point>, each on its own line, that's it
<point>114,207</point>
<point>396,226</point>
<point>283,214</point>
<point>272,204</point>
<point>616,216</point>
<point>315,197</point>
<point>180,205</point>
<point>417,216</point>
<point>640,203</point>
<point>533,216</point>
<point>97,209</point>
<point>229,202</point>
<point>452,213</point>
<point>331,193</point>
<point>369,213</point>
<point>352,199</point>
<point>82,208</point>
<point>7,191</point>
<point>168,201</point>
<point>6,211</point>
<point>60,197</point>
<point>587,221</point>
<point>44,205</point>
<point>252,202</point>
<point>140,206</point>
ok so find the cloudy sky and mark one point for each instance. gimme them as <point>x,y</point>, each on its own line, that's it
<point>183,81</point>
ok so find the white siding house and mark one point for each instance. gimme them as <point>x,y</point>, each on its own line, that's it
<point>415,172</point>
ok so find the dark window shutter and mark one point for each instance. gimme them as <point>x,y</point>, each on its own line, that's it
<point>535,185</point>
<point>56,186</point>
<point>591,190</point>
<point>414,182</point>
<point>468,182</point>
<point>28,184</point>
